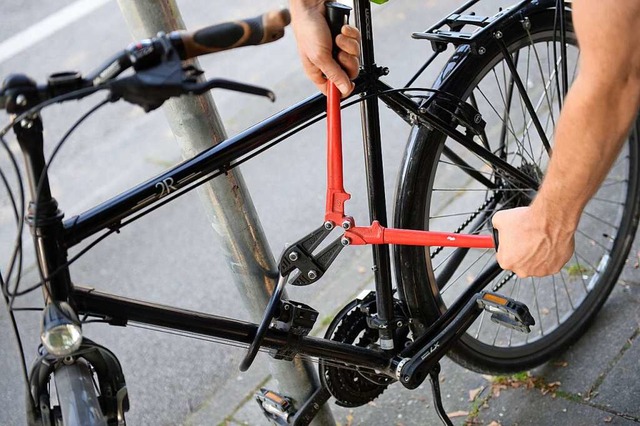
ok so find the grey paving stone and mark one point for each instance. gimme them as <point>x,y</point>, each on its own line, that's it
<point>620,389</point>
<point>588,358</point>
<point>528,407</point>
<point>396,406</point>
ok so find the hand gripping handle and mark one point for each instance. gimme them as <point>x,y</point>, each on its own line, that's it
<point>496,238</point>
<point>229,35</point>
<point>337,17</point>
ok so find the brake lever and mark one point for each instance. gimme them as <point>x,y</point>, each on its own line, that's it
<point>219,83</point>
<point>151,87</point>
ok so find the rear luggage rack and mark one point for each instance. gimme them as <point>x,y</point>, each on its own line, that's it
<point>457,34</point>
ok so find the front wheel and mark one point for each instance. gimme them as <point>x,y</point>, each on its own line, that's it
<point>446,187</point>
<point>84,389</point>
<point>77,397</point>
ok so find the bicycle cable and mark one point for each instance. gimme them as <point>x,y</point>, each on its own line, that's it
<point>19,212</point>
<point>43,175</point>
<point>77,95</point>
<point>225,169</point>
<point>17,252</point>
<point>10,295</point>
<point>86,92</point>
<point>217,340</point>
<point>13,294</point>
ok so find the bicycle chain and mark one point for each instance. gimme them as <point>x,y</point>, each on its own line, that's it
<point>351,387</point>
<point>502,282</point>
<point>467,222</point>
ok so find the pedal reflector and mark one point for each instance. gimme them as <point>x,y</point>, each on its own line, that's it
<point>507,312</point>
<point>275,407</point>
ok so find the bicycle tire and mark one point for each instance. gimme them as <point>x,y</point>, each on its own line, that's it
<point>421,203</point>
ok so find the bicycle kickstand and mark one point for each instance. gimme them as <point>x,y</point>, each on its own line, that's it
<point>437,396</point>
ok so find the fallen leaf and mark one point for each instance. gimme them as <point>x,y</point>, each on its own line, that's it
<point>608,419</point>
<point>473,393</point>
<point>459,413</point>
<point>349,419</point>
<point>497,388</point>
<point>561,364</point>
<point>494,423</point>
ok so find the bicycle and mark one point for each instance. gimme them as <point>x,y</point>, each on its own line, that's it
<point>364,348</point>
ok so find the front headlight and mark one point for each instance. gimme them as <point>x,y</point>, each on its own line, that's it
<point>61,330</point>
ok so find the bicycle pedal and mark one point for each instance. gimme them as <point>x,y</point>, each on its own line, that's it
<point>277,408</point>
<point>507,312</point>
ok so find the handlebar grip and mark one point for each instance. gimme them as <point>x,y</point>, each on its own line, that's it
<point>229,35</point>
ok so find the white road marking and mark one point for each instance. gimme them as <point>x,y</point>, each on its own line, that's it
<point>43,29</point>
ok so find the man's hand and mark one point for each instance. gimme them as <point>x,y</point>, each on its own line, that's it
<point>530,243</point>
<point>315,46</point>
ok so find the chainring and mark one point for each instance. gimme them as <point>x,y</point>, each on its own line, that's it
<point>350,386</point>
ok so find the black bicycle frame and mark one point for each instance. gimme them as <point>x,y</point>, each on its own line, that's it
<point>122,209</point>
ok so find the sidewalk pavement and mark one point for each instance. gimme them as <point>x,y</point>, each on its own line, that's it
<point>595,382</point>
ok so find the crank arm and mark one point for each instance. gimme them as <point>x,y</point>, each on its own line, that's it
<point>411,372</point>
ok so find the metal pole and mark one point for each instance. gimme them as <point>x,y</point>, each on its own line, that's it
<point>196,124</point>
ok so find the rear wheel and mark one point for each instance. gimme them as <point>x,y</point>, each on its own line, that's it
<point>438,192</point>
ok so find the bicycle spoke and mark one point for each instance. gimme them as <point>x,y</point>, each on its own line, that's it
<point>618,203</point>
<point>566,289</point>
<point>523,107</point>
<point>484,138</point>
<point>468,169</point>
<point>513,288</point>
<point>555,298</point>
<point>580,268</point>
<point>599,219</point>
<point>520,95</point>
<point>506,108</point>
<point>490,258</point>
<point>509,127</point>
<point>535,52</point>
<point>612,182</point>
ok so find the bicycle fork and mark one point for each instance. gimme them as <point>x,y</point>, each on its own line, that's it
<point>64,352</point>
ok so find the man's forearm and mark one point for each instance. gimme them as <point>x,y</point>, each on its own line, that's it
<point>598,111</point>
<point>593,125</point>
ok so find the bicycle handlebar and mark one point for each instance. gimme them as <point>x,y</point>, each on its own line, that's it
<point>152,52</point>
<point>229,35</point>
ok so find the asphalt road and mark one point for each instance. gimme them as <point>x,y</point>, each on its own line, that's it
<point>172,256</point>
